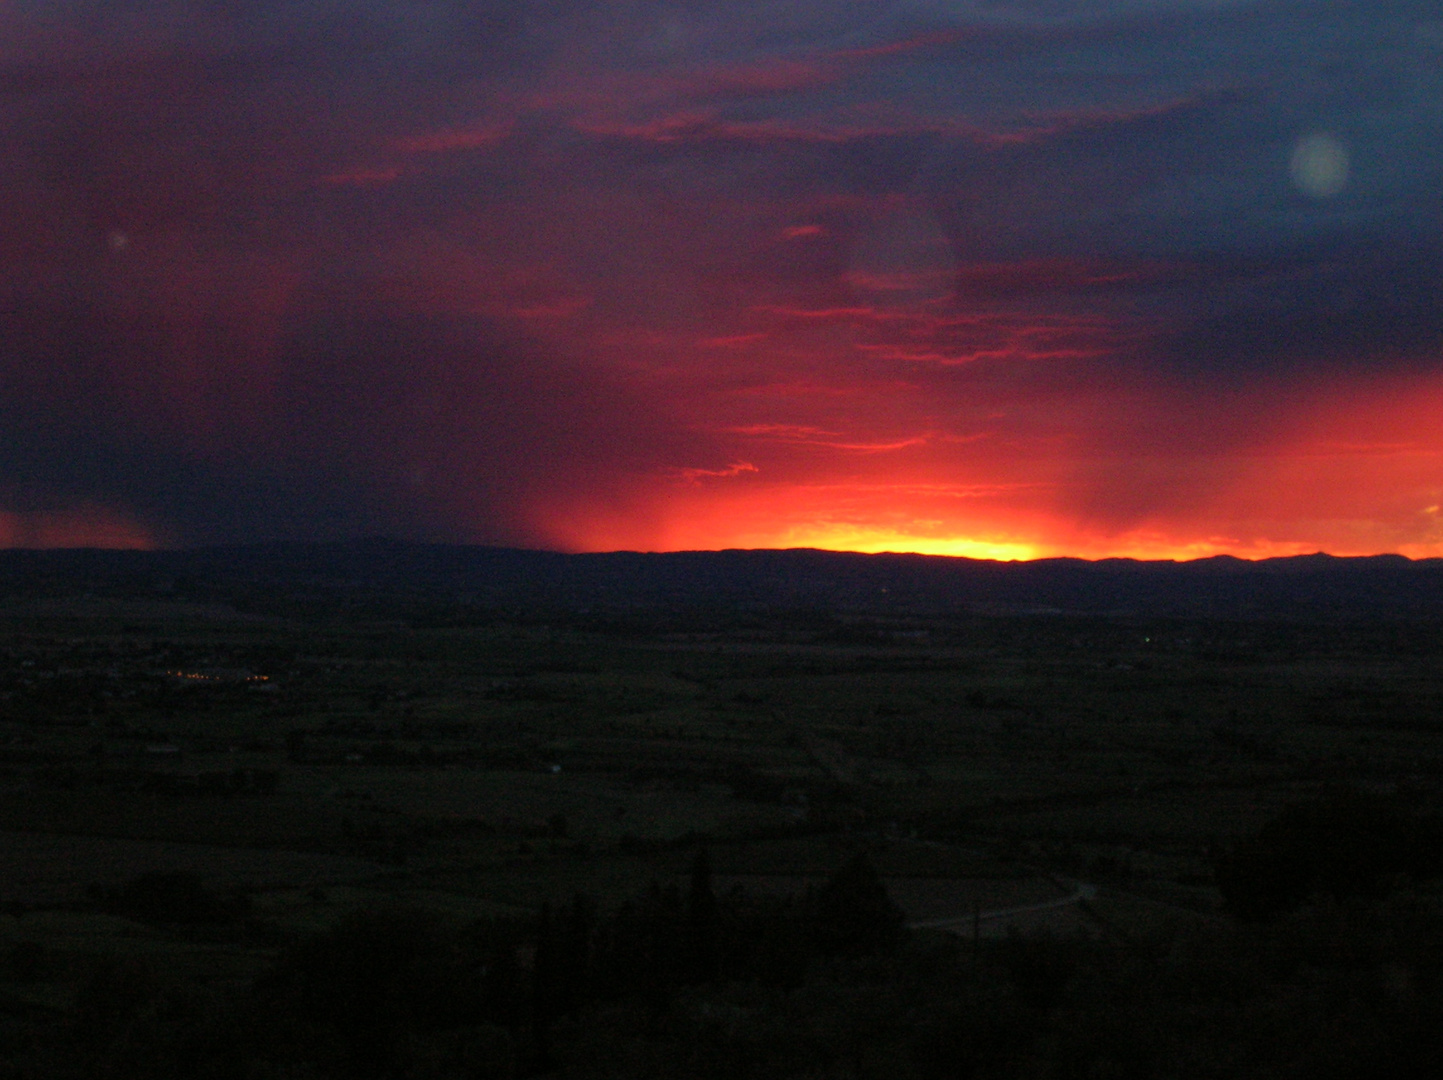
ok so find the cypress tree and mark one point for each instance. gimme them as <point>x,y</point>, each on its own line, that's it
<point>703,923</point>
<point>574,967</point>
<point>852,913</point>
<point>501,994</point>
<point>544,994</point>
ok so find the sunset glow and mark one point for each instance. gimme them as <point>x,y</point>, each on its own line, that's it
<point>86,527</point>
<point>860,276</point>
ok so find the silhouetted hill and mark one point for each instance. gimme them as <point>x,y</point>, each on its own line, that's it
<point>363,572</point>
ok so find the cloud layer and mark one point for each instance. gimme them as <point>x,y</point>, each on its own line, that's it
<point>1155,277</point>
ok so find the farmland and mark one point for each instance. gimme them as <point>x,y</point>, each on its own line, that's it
<point>301,771</point>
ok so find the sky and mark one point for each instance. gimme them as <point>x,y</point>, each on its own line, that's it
<point>1147,278</point>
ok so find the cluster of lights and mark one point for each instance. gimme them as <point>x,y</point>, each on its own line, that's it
<point>216,678</point>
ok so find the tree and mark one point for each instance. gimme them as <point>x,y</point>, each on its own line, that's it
<point>546,976</point>
<point>354,998</point>
<point>1347,844</point>
<point>852,914</point>
<point>703,922</point>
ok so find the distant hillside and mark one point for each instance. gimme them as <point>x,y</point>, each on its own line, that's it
<point>365,572</point>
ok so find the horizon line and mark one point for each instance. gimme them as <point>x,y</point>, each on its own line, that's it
<point>381,539</point>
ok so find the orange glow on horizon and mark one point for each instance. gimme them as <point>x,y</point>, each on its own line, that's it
<point>1354,470</point>
<point>931,538</point>
<point>83,527</point>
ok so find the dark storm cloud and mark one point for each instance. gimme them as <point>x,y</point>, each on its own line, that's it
<point>416,426</point>
<point>472,424</point>
<point>169,233</point>
<point>1371,304</point>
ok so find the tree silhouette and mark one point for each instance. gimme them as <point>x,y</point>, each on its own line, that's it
<point>574,960</point>
<point>1346,844</point>
<point>703,923</point>
<point>852,913</point>
<point>545,988</point>
<point>357,994</point>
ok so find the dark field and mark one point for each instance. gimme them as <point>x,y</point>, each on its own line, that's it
<point>197,801</point>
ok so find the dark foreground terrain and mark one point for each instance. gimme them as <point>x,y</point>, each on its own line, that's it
<point>378,811</point>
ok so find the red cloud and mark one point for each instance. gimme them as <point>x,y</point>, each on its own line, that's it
<point>450,140</point>
<point>699,128</point>
<point>693,476</point>
<point>917,43</point>
<point>362,178</point>
<point>85,526</point>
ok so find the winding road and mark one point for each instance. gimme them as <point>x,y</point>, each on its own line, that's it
<point>1082,892</point>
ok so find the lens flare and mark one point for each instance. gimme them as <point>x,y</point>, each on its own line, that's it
<point>1320,166</point>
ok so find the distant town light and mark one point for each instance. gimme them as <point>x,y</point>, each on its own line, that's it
<point>219,676</point>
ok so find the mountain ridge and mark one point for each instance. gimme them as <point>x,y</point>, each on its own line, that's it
<point>480,576</point>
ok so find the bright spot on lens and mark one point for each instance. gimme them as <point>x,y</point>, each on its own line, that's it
<point>1319,166</point>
